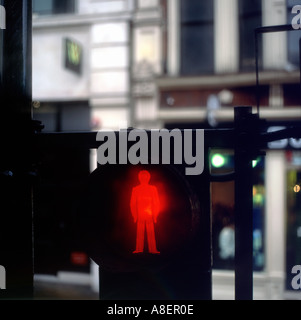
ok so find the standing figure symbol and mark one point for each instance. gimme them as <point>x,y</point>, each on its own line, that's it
<point>145,207</point>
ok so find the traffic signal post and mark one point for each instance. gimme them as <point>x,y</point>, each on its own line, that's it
<point>251,138</point>
<point>16,172</point>
<point>245,152</point>
<point>147,226</point>
<point>104,200</point>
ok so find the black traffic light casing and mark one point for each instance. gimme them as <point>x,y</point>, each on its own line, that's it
<point>181,270</point>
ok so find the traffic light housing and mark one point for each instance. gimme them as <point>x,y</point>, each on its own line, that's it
<point>147,226</point>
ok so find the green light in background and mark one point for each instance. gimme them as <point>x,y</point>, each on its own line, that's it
<point>255,162</point>
<point>218,160</point>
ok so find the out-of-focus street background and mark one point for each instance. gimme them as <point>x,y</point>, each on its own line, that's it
<point>114,64</point>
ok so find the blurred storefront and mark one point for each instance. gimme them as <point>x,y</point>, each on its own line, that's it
<point>184,64</point>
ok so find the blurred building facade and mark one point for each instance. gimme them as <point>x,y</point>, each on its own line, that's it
<point>112,64</point>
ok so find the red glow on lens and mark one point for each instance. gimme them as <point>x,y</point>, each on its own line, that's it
<point>79,258</point>
<point>145,208</point>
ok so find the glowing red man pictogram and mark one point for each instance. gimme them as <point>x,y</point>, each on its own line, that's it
<point>145,208</point>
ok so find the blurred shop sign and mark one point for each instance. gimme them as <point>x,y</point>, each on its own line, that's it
<point>290,143</point>
<point>73,56</point>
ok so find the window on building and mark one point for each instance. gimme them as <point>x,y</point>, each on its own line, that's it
<point>292,38</point>
<point>250,17</point>
<point>45,7</point>
<point>197,37</point>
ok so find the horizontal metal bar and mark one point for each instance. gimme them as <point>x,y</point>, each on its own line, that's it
<point>214,138</point>
<point>277,28</point>
<point>292,132</point>
<point>222,177</point>
<point>86,140</point>
<point>220,138</point>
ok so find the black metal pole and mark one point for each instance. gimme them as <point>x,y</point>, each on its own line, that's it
<point>300,66</point>
<point>257,32</point>
<point>257,72</point>
<point>243,206</point>
<point>16,133</point>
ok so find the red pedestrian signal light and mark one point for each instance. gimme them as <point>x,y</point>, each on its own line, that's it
<point>145,207</point>
<point>147,226</point>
